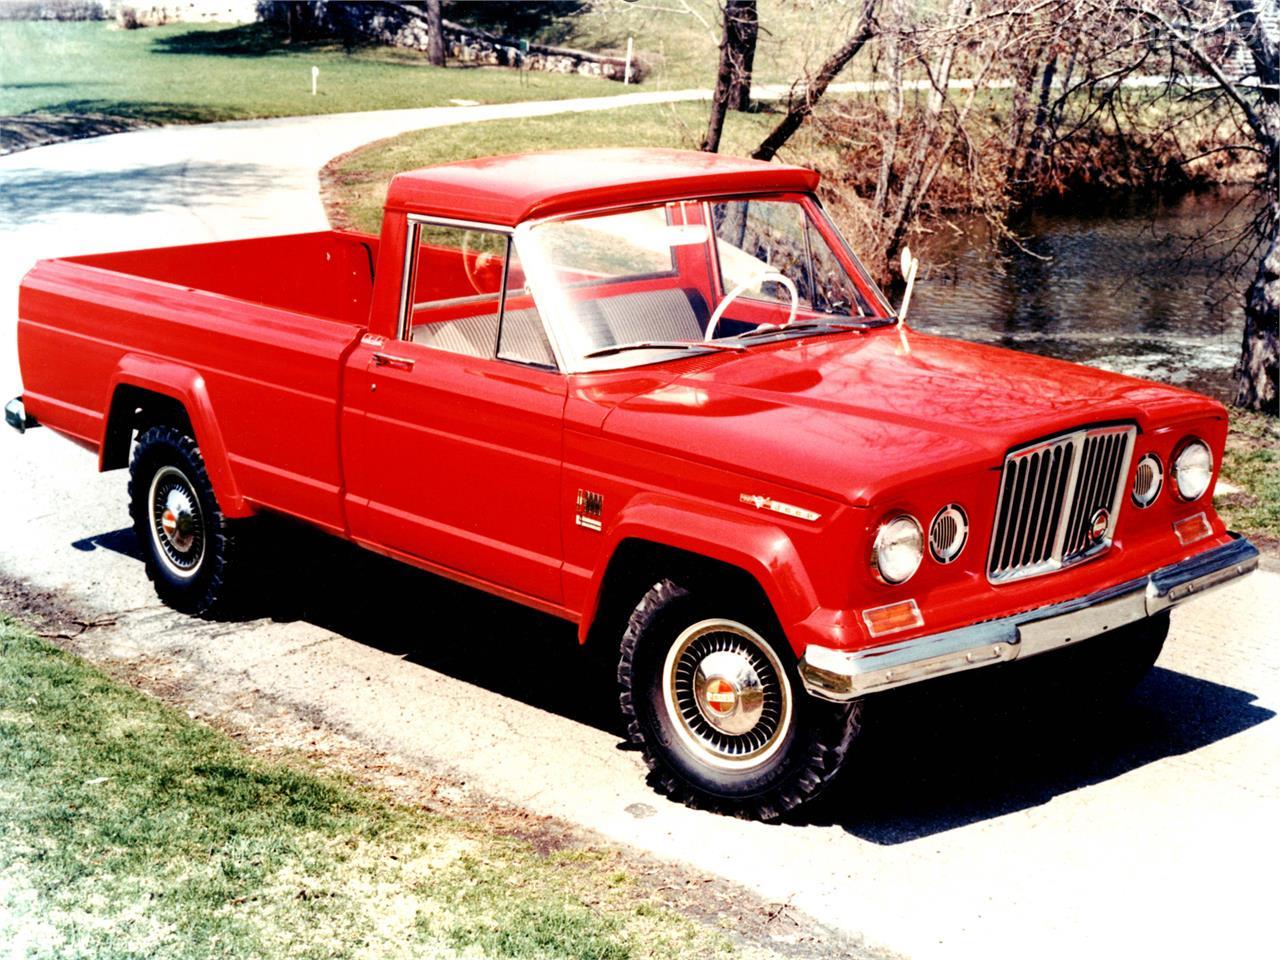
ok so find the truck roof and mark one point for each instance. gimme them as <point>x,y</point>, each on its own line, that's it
<point>511,189</point>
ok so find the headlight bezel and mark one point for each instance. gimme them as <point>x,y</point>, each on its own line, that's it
<point>1158,483</point>
<point>880,543</point>
<point>1177,469</point>
<point>959,540</point>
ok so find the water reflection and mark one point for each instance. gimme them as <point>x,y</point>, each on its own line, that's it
<point>1119,285</point>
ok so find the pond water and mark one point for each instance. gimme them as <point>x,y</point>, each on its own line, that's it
<point>1122,285</point>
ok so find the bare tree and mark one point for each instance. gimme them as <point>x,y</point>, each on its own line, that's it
<point>733,77</point>
<point>1207,33</point>
<point>807,91</point>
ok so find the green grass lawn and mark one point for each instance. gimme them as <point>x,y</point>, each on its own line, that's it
<point>130,831</point>
<point>203,72</point>
<point>195,73</point>
<point>1252,463</point>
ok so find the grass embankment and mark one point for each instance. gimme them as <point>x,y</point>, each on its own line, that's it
<point>61,80</point>
<point>681,40</point>
<point>356,184</point>
<point>130,831</point>
<point>1252,463</point>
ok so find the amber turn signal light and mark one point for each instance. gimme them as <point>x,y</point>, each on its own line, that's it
<point>1192,529</point>
<point>892,618</point>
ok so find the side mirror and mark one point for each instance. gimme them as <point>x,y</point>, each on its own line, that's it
<point>910,264</point>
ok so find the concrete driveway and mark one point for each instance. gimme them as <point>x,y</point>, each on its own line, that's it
<point>965,829</point>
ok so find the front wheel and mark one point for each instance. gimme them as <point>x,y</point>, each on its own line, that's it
<point>187,544</point>
<point>718,709</point>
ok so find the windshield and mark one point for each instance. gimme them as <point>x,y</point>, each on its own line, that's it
<point>646,284</point>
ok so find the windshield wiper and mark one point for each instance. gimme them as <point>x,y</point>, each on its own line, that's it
<point>805,325</point>
<point>662,345</point>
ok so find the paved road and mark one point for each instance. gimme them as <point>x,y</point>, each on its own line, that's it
<point>966,830</point>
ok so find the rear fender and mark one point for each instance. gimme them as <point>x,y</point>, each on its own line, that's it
<point>761,549</point>
<point>186,386</point>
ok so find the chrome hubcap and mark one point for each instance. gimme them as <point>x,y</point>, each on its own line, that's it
<point>177,526</point>
<point>726,694</point>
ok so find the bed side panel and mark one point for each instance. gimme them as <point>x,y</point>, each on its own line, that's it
<point>326,274</point>
<point>272,377</point>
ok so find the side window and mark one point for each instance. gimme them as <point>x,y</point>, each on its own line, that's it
<point>456,297</point>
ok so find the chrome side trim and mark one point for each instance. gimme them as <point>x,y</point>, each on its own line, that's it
<point>463,224</point>
<point>846,675</point>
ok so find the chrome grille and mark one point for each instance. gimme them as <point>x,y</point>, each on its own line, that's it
<point>1051,495</point>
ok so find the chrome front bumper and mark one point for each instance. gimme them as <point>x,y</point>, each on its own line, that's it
<point>845,675</point>
<point>16,416</point>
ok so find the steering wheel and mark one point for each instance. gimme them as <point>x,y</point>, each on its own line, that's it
<point>741,289</point>
<point>480,268</point>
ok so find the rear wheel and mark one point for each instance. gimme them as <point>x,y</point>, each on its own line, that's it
<point>187,544</point>
<point>713,699</point>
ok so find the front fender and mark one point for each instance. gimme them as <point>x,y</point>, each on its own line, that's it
<point>763,549</point>
<point>187,386</point>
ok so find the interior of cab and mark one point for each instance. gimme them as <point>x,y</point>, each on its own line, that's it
<point>636,279</point>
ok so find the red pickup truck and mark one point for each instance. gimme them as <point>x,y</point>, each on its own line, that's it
<point>653,393</point>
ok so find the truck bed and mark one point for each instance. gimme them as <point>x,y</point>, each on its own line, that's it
<point>259,328</point>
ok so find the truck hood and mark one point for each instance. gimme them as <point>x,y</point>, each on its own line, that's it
<point>852,416</point>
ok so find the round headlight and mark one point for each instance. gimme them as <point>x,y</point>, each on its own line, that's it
<point>898,549</point>
<point>1193,469</point>
<point>1148,480</point>
<point>948,533</point>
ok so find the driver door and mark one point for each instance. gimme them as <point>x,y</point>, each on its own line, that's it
<point>459,449</point>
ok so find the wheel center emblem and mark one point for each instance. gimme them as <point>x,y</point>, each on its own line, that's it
<point>1098,524</point>
<point>170,522</point>
<point>721,696</point>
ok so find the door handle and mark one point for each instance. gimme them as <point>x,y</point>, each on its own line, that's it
<point>386,360</point>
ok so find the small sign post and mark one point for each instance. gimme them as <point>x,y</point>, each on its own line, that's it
<point>626,75</point>
<point>315,75</point>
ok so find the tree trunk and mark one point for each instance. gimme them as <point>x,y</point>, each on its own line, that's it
<point>1031,161</point>
<point>1258,370</point>
<point>910,194</point>
<point>746,30</point>
<point>802,99</point>
<point>435,34</point>
<point>729,75</point>
<point>1020,112</point>
<point>892,44</point>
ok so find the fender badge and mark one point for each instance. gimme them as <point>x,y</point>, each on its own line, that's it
<point>777,506</point>
<point>590,509</point>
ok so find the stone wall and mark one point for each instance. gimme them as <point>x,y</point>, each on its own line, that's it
<point>398,27</point>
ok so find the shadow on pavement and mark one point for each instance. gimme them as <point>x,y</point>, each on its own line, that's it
<point>467,634</point>
<point>932,758</point>
<point>27,196</point>
<point>957,751</point>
